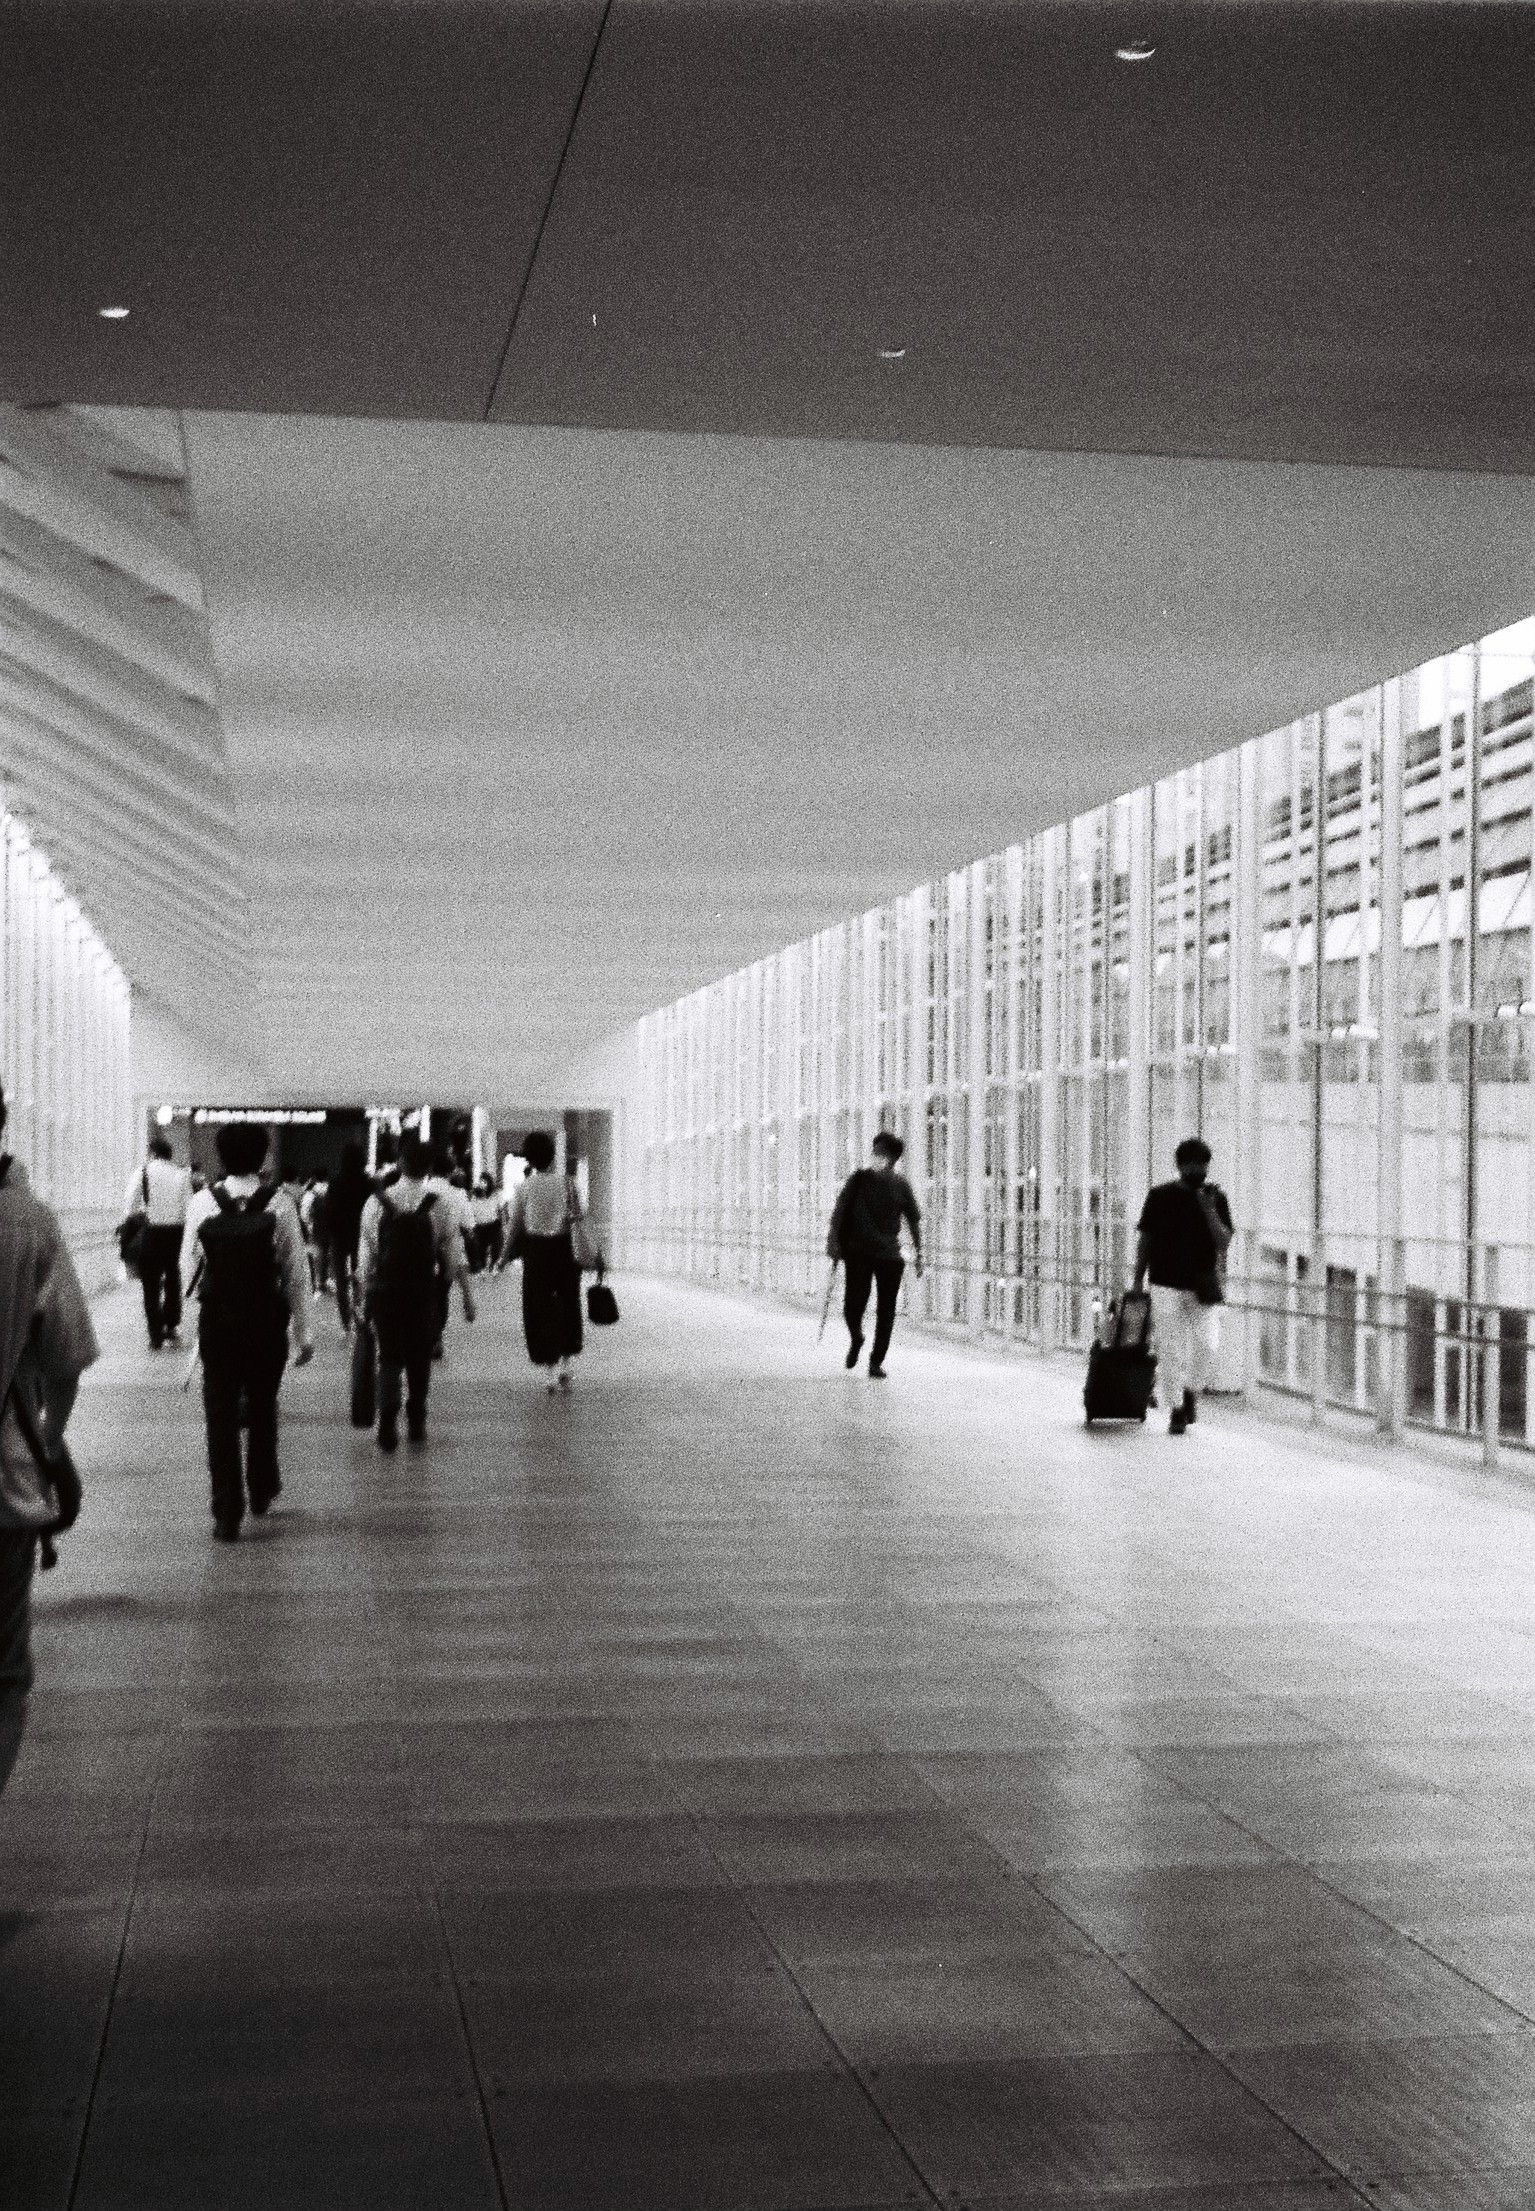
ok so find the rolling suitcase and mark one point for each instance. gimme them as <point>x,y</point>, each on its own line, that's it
<point>1121,1365</point>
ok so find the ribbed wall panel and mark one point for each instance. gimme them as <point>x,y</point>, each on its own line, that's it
<point>111,746</point>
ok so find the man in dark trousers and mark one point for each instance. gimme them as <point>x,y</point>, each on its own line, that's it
<point>409,1250</point>
<point>244,1249</point>
<point>1185,1227</point>
<point>865,1235</point>
<point>161,1191</point>
<point>349,1191</point>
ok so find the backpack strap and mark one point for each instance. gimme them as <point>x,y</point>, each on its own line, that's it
<point>257,1202</point>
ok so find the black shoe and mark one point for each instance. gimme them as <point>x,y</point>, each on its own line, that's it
<point>226,1530</point>
<point>263,1503</point>
<point>388,1436</point>
<point>1177,1421</point>
<point>877,1374</point>
<point>1190,1408</point>
<point>852,1352</point>
<point>437,1349</point>
<point>416,1430</point>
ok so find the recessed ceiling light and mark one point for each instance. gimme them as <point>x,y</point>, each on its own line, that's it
<point>113,314</point>
<point>892,353</point>
<point>1135,49</point>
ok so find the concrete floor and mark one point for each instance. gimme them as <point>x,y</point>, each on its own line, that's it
<point>744,1788</point>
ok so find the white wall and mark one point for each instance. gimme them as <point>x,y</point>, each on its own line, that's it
<point>177,1065</point>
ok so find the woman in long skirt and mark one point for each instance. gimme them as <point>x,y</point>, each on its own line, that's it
<point>542,1211</point>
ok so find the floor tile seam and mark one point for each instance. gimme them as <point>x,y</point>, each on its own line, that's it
<point>461,2012</point>
<point>118,1967</point>
<point>1149,1754</point>
<point>1215,2057</point>
<point>1417,1941</point>
<point>847,2069</point>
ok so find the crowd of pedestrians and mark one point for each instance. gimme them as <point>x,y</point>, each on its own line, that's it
<point>257,1257</point>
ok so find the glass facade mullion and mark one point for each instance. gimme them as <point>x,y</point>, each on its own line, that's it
<point>1317,949</point>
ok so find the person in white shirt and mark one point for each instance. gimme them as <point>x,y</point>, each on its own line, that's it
<point>542,1211</point>
<point>160,1192</point>
<point>454,1202</point>
<point>244,1248</point>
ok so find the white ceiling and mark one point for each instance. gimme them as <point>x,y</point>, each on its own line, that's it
<point>533,729</point>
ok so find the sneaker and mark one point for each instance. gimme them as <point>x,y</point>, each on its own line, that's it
<point>1190,1408</point>
<point>853,1350</point>
<point>877,1374</point>
<point>388,1436</point>
<point>1177,1421</point>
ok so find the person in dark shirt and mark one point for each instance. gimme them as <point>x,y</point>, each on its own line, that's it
<point>865,1235</point>
<point>1185,1227</point>
<point>349,1191</point>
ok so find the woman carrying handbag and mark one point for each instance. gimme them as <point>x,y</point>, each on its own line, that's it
<point>552,1237</point>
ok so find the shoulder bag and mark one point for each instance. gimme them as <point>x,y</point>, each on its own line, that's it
<point>131,1232</point>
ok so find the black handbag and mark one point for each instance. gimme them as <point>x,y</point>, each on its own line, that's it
<point>601,1305</point>
<point>364,1374</point>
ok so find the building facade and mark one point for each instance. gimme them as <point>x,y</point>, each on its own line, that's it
<point>64,1051</point>
<point>1314,950</point>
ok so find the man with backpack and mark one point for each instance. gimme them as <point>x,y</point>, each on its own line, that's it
<point>244,1250</point>
<point>46,1344</point>
<point>408,1252</point>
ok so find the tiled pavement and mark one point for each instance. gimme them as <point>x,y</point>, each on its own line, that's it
<point>744,1788</point>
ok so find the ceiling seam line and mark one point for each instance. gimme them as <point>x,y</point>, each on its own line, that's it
<point>543,220</point>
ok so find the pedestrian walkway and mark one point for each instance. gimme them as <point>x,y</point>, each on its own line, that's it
<point>744,1788</point>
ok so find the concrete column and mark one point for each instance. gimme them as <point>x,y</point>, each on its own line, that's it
<point>1009,982</point>
<point>916,1072</point>
<point>1050,1087</point>
<point>975,1181</point>
<point>1245,1171</point>
<point>1138,1043</point>
<point>1391,1340</point>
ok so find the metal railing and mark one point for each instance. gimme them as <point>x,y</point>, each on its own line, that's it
<point>1368,1343</point>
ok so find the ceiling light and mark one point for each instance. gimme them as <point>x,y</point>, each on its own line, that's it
<point>113,314</point>
<point>1135,49</point>
<point>892,353</point>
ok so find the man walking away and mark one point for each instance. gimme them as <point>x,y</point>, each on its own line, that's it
<point>46,1344</point>
<point>245,1248</point>
<point>161,1191</point>
<point>1185,1227</point>
<point>865,1235</point>
<point>349,1191</point>
<point>409,1247</point>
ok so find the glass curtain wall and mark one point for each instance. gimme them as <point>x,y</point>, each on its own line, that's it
<point>65,1009</point>
<point>1314,950</point>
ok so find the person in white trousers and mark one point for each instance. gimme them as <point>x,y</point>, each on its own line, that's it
<point>1184,1229</point>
